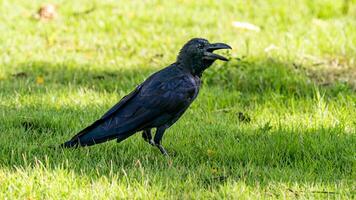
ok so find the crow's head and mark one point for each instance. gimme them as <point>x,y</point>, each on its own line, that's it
<point>197,55</point>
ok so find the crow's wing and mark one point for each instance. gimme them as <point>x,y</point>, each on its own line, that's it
<point>155,98</point>
<point>121,103</point>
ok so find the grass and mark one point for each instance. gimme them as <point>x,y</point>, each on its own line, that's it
<point>277,124</point>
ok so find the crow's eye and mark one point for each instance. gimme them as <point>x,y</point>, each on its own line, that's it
<point>200,46</point>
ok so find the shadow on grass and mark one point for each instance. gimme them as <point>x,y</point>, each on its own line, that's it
<point>60,75</point>
<point>270,75</point>
<point>318,155</point>
<point>248,76</point>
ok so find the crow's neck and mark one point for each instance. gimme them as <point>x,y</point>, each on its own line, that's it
<point>193,67</point>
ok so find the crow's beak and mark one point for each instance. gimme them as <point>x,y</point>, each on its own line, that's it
<point>209,55</point>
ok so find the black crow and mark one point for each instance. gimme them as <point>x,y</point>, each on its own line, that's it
<point>158,102</point>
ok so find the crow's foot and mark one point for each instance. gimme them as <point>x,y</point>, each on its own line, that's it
<point>162,149</point>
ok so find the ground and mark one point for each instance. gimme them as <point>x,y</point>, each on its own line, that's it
<point>277,121</point>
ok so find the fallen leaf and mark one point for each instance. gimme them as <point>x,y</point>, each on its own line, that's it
<point>246,26</point>
<point>39,80</point>
<point>47,12</point>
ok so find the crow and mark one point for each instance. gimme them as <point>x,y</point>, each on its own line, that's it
<point>158,102</point>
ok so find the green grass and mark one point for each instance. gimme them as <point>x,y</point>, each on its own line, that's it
<point>300,142</point>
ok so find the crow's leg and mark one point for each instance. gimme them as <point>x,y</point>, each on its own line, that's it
<point>147,136</point>
<point>158,137</point>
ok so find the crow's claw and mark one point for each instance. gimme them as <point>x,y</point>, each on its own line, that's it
<point>162,149</point>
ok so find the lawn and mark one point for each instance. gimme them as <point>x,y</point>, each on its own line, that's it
<point>278,121</point>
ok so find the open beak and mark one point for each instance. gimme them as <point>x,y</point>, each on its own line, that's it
<point>209,55</point>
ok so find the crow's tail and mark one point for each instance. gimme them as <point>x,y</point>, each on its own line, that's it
<point>70,144</point>
<point>88,136</point>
